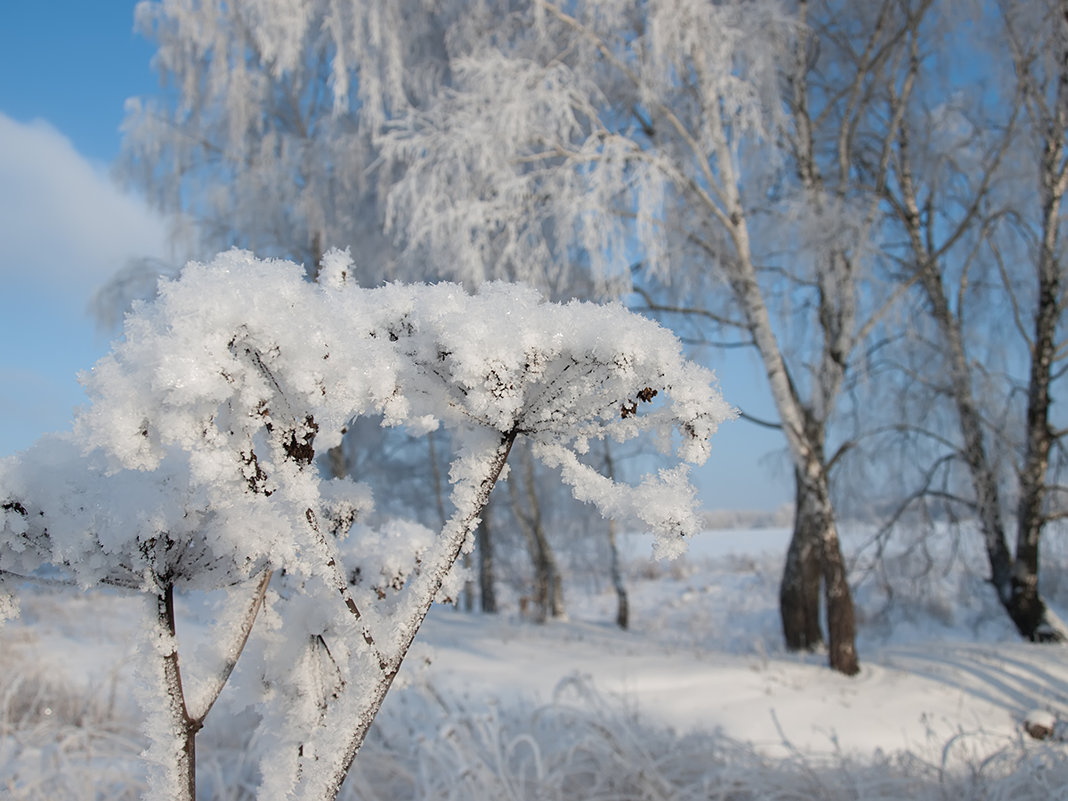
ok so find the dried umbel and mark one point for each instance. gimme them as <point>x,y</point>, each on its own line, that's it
<point>195,468</point>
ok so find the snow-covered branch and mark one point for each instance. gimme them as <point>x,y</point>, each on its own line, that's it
<point>195,468</point>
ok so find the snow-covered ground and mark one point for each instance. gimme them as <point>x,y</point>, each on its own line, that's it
<point>697,700</point>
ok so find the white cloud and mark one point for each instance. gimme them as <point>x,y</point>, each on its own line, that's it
<point>64,223</point>
<point>65,228</point>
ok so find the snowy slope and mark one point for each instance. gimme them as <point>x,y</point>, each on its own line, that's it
<point>912,696</point>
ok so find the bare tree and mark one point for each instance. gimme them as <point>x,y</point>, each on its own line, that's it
<point>1042,68</point>
<point>265,139</point>
<point>615,567</point>
<point>982,246</point>
<point>487,573</point>
<point>526,506</point>
<point>719,143</point>
<point>842,54</point>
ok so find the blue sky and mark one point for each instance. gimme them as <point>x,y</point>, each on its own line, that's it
<point>66,69</point>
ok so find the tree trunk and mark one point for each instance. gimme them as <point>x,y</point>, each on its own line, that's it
<point>1026,607</point>
<point>556,585</point>
<point>548,592</point>
<point>799,592</point>
<point>841,616</point>
<point>1028,610</point>
<point>466,601</point>
<point>622,602</point>
<point>486,570</point>
<point>548,589</point>
<point>804,432</point>
<point>614,567</point>
<point>815,553</point>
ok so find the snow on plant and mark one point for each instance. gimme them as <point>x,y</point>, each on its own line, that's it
<point>194,468</point>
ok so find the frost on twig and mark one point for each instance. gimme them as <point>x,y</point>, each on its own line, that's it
<point>195,468</point>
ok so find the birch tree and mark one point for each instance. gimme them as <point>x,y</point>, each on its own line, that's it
<point>1041,63</point>
<point>262,135</point>
<point>194,469</point>
<point>978,193</point>
<point>700,155</point>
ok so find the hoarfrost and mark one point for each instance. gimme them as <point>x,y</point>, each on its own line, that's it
<point>196,467</point>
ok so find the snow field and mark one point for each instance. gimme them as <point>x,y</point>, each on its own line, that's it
<point>697,701</point>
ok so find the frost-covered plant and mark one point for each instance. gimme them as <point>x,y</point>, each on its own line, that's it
<point>195,468</point>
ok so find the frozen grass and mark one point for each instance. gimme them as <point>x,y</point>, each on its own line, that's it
<point>586,746</point>
<point>59,742</point>
<point>581,746</point>
<point>65,740</point>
